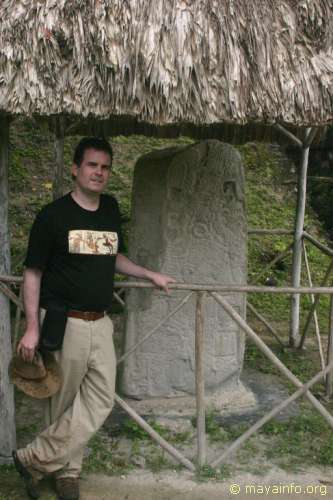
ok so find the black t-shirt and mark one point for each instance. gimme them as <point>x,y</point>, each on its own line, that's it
<point>76,250</point>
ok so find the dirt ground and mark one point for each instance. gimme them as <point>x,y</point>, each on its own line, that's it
<point>254,478</point>
<point>312,484</point>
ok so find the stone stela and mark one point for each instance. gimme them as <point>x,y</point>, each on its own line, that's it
<point>189,221</point>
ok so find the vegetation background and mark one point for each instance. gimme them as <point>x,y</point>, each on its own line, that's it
<point>271,200</point>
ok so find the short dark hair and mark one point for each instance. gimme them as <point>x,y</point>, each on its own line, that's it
<point>98,143</point>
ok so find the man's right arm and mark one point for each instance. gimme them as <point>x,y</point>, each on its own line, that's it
<point>31,291</point>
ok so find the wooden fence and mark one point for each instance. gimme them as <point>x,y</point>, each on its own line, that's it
<point>201,291</point>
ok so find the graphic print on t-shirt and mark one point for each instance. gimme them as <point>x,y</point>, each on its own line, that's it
<point>83,241</point>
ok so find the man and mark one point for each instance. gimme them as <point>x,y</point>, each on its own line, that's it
<point>69,274</point>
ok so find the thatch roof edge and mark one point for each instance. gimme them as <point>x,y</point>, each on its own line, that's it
<point>169,61</point>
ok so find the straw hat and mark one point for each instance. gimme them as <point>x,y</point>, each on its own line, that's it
<point>39,379</point>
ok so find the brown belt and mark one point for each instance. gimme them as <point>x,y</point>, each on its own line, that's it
<point>86,315</point>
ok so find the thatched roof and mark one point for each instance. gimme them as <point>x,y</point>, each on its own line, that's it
<point>169,61</point>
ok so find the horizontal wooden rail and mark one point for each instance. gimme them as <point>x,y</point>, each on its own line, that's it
<point>270,231</point>
<point>196,287</point>
<point>230,288</point>
<point>15,280</point>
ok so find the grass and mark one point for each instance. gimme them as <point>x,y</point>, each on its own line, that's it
<point>304,439</point>
<point>208,473</point>
<point>101,458</point>
<point>105,457</point>
<point>12,488</point>
<point>131,430</point>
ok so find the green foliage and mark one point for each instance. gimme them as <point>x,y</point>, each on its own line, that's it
<point>181,437</point>
<point>157,460</point>
<point>208,473</point>
<point>299,362</point>
<point>271,205</point>
<point>321,192</point>
<point>213,429</point>
<point>132,430</point>
<point>305,438</point>
<point>101,458</point>
<point>216,432</point>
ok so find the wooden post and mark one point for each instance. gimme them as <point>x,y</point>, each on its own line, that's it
<point>7,420</point>
<point>315,317</point>
<point>294,336</point>
<point>59,157</point>
<point>200,382</point>
<point>329,376</point>
<point>18,319</point>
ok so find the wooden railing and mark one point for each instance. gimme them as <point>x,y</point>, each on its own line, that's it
<point>216,291</point>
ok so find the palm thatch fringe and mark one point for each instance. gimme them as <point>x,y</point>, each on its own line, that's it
<point>169,61</point>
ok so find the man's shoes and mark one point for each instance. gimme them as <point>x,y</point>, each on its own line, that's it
<point>67,488</point>
<point>29,481</point>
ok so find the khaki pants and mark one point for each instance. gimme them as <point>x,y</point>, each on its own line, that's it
<point>78,410</point>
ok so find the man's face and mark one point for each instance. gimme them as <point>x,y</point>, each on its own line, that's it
<point>93,173</point>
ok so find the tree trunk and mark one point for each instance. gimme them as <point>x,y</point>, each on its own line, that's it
<point>7,421</point>
<point>59,157</point>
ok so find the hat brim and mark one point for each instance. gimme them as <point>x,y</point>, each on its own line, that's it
<point>39,389</point>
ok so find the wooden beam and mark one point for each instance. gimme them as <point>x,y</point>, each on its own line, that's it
<point>229,288</point>
<point>315,316</point>
<point>304,290</point>
<point>59,140</point>
<point>320,178</point>
<point>318,244</point>
<point>266,323</point>
<point>7,420</point>
<point>310,135</point>
<point>270,231</point>
<point>268,416</point>
<point>200,381</point>
<point>279,257</point>
<point>154,435</point>
<point>271,356</point>
<point>329,376</point>
<point>294,337</point>
<point>290,135</point>
<point>156,327</point>
<point>314,305</point>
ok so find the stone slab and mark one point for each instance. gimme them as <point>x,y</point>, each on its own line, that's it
<point>189,221</point>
